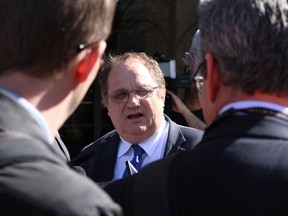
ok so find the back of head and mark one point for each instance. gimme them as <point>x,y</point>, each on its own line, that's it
<point>151,64</point>
<point>40,37</point>
<point>249,40</point>
<point>193,58</point>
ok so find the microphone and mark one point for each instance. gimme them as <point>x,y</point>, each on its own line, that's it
<point>131,169</point>
<point>79,170</point>
<point>81,158</point>
<point>104,184</point>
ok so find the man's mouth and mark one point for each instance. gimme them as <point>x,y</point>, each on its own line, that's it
<point>135,116</point>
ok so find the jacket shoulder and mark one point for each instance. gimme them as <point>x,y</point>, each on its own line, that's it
<point>59,179</point>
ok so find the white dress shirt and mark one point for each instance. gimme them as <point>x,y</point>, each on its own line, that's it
<point>154,148</point>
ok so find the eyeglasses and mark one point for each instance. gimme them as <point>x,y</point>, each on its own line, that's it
<point>83,46</point>
<point>198,79</point>
<point>199,83</point>
<point>121,96</point>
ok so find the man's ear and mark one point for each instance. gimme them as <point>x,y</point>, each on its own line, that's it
<point>213,77</point>
<point>92,57</point>
<point>162,93</point>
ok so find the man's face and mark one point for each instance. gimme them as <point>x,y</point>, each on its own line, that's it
<point>135,119</point>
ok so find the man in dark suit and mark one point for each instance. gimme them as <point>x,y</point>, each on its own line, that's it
<point>133,90</point>
<point>50,54</point>
<point>241,165</point>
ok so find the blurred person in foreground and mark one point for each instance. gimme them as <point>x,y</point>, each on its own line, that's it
<point>50,55</point>
<point>241,165</point>
<point>133,90</point>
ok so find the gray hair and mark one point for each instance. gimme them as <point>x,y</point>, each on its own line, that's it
<point>193,58</point>
<point>249,40</point>
<point>151,64</point>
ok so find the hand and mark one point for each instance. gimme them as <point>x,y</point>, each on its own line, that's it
<point>178,105</point>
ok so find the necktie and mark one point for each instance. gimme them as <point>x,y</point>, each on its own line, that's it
<point>137,159</point>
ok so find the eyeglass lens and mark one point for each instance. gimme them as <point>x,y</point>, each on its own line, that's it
<point>199,82</point>
<point>124,95</point>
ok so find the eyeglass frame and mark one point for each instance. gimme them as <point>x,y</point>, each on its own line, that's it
<point>125,99</point>
<point>198,79</point>
<point>83,46</point>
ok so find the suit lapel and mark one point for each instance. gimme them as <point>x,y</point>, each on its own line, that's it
<point>109,155</point>
<point>175,138</point>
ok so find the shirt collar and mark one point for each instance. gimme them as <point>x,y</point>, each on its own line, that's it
<point>149,145</point>
<point>253,103</point>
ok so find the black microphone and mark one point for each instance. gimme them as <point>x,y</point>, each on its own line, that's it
<point>81,158</point>
<point>79,170</point>
<point>104,184</point>
<point>131,169</point>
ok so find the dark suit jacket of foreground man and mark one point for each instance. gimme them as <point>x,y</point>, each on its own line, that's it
<point>27,164</point>
<point>239,168</point>
<point>99,158</point>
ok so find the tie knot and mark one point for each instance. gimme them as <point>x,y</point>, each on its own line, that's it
<point>137,149</point>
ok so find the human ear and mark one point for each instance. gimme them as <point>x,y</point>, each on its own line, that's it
<point>162,94</point>
<point>91,59</point>
<point>213,77</point>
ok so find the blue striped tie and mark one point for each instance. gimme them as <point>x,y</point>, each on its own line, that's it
<point>137,159</point>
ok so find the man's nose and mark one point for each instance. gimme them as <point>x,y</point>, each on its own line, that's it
<point>133,98</point>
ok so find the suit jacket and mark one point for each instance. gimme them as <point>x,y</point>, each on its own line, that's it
<point>239,168</point>
<point>99,158</point>
<point>35,178</point>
